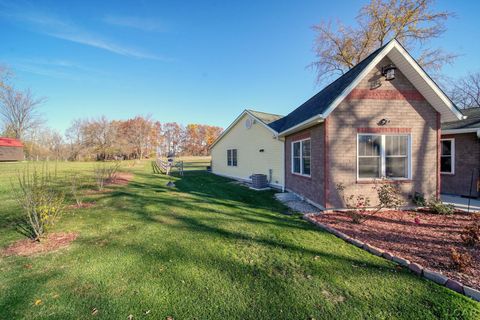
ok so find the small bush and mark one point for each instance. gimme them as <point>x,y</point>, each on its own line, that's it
<point>105,173</point>
<point>75,185</point>
<point>460,260</point>
<point>419,200</point>
<point>438,207</point>
<point>471,234</point>
<point>359,206</point>
<point>40,200</point>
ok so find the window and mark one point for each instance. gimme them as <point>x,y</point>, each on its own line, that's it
<point>301,157</point>
<point>447,158</point>
<point>232,157</point>
<point>383,156</point>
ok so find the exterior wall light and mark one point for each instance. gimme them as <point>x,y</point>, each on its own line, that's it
<point>261,150</point>
<point>383,122</point>
<point>389,72</point>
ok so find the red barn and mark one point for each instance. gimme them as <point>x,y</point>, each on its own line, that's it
<point>11,150</point>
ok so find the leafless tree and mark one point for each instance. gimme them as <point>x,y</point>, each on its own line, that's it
<point>19,110</point>
<point>339,47</point>
<point>466,91</point>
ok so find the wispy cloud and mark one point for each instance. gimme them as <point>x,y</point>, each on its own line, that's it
<point>144,24</point>
<point>40,22</point>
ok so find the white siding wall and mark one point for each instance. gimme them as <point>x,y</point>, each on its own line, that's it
<point>248,142</point>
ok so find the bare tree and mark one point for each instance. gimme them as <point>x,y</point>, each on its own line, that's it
<point>465,91</point>
<point>412,22</point>
<point>19,111</point>
<point>75,139</point>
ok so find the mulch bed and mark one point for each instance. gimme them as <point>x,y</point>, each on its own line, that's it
<point>28,247</point>
<point>420,237</point>
<point>84,205</point>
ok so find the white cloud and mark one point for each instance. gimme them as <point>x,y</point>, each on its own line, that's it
<point>40,22</point>
<point>144,24</point>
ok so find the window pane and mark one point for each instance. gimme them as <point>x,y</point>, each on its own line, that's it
<point>446,147</point>
<point>234,157</point>
<point>306,148</point>
<point>369,167</point>
<point>296,149</point>
<point>446,164</point>
<point>306,165</point>
<point>396,167</point>
<point>296,164</point>
<point>396,145</point>
<point>229,157</point>
<point>369,145</point>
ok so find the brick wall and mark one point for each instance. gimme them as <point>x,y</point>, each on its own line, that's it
<point>310,187</point>
<point>467,158</point>
<point>372,100</point>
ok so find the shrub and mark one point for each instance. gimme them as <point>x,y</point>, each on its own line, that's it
<point>40,200</point>
<point>419,200</point>
<point>438,207</point>
<point>105,173</point>
<point>471,234</point>
<point>460,260</point>
<point>359,208</point>
<point>75,185</point>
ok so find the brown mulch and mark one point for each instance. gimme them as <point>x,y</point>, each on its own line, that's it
<point>420,237</point>
<point>28,247</point>
<point>84,205</point>
<point>123,178</point>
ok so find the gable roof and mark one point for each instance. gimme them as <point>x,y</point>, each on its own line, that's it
<point>9,142</point>
<point>262,118</point>
<point>266,118</point>
<point>323,103</point>
<point>471,122</point>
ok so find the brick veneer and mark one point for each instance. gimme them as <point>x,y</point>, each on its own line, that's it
<point>467,158</point>
<point>407,113</point>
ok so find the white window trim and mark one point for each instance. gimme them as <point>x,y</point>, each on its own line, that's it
<point>383,156</point>
<point>231,162</point>
<point>452,155</point>
<point>301,162</point>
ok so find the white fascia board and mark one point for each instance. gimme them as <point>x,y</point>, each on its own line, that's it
<point>237,119</point>
<point>459,131</point>
<point>394,44</point>
<point>302,125</point>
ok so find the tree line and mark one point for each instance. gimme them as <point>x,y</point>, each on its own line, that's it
<point>136,138</point>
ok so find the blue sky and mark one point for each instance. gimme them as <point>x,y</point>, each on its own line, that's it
<point>184,61</point>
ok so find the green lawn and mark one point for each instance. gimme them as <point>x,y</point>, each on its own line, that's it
<point>206,249</point>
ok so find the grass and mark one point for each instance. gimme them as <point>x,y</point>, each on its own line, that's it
<point>205,249</point>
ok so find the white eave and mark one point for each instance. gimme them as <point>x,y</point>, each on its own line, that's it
<point>244,112</point>
<point>459,131</point>
<point>412,71</point>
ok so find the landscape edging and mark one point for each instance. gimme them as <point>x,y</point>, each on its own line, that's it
<point>413,267</point>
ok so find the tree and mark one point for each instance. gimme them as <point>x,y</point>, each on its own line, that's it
<point>139,133</point>
<point>19,111</point>
<point>412,22</point>
<point>465,91</point>
<point>100,135</point>
<point>75,139</point>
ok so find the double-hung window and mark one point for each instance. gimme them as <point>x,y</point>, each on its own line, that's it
<point>232,157</point>
<point>447,161</point>
<point>383,156</point>
<point>301,157</point>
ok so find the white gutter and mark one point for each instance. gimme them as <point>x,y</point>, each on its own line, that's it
<point>459,131</point>
<point>304,124</point>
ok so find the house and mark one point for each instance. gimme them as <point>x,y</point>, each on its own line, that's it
<point>249,146</point>
<point>11,150</point>
<point>460,157</point>
<point>381,119</point>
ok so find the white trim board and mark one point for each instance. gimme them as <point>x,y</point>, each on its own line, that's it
<point>403,60</point>
<point>237,119</point>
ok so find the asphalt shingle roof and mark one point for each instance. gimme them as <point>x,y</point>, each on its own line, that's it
<point>472,121</point>
<point>319,103</point>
